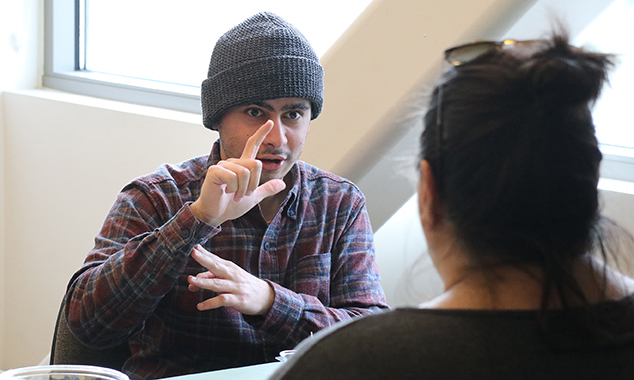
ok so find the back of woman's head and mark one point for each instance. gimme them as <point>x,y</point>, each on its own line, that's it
<point>517,161</point>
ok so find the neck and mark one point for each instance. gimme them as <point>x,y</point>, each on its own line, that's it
<point>512,288</point>
<point>271,205</point>
<point>469,286</point>
<point>499,288</point>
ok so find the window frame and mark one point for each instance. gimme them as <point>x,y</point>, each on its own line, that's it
<point>617,166</point>
<point>63,69</point>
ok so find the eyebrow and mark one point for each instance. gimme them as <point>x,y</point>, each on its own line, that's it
<point>296,106</point>
<point>287,107</point>
<point>266,106</point>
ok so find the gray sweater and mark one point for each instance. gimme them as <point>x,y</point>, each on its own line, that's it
<point>473,344</point>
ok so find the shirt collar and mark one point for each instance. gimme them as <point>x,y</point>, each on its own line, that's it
<point>214,155</point>
<point>291,203</point>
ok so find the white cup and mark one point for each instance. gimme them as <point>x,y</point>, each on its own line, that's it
<point>63,372</point>
<point>285,355</point>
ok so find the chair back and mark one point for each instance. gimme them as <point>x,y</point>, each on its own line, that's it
<point>66,349</point>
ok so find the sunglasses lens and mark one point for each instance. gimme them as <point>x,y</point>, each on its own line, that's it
<point>525,48</point>
<point>467,53</point>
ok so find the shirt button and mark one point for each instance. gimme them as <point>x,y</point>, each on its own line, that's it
<point>267,245</point>
<point>291,213</point>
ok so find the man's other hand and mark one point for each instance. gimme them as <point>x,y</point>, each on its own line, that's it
<point>237,288</point>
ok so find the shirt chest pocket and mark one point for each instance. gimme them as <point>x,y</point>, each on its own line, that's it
<point>311,275</point>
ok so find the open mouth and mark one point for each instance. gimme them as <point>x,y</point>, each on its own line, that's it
<point>271,161</point>
<point>271,164</point>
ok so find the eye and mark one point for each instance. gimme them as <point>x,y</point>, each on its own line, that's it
<point>294,115</point>
<point>254,112</point>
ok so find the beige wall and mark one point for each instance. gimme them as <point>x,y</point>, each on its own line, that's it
<point>2,234</point>
<point>65,161</point>
<point>20,60</point>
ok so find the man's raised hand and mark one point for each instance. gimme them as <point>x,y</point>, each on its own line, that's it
<point>231,188</point>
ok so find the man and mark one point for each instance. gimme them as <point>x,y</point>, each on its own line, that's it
<point>226,260</point>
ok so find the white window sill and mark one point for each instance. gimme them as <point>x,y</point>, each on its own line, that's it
<point>88,101</point>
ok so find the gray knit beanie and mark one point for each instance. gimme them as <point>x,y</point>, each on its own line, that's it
<point>262,58</point>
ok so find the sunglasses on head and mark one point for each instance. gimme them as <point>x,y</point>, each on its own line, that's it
<point>462,54</point>
<point>459,55</point>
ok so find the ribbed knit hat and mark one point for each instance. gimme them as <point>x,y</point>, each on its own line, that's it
<point>262,58</point>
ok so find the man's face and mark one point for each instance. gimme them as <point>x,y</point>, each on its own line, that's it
<point>281,147</point>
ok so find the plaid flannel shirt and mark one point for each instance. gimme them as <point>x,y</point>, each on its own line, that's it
<point>317,253</point>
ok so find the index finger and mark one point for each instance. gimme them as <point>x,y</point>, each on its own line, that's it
<point>254,142</point>
<point>214,264</point>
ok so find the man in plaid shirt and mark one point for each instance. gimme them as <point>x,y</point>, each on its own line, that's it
<point>227,259</point>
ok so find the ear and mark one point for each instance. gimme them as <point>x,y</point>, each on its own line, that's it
<point>429,206</point>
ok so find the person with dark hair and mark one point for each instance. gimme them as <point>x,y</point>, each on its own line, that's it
<point>509,207</point>
<point>225,260</point>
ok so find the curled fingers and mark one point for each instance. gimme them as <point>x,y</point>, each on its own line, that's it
<point>252,169</point>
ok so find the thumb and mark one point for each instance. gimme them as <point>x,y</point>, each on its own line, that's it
<point>269,188</point>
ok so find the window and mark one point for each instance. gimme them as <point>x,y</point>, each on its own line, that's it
<point>156,52</point>
<point>610,32</point>
<point>169,41</point>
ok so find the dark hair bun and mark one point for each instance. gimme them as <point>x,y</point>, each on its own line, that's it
<point>564,75</point>
<point>515,157</point>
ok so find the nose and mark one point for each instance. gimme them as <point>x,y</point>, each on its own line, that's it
<point>277,136</point>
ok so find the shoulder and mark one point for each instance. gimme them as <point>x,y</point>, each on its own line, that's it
<point>381,324</point>
<point>366,347</point>
<point>451,344</point>
<point>316,179</point>
<point>178,175</point>
<point>313,174</point>
<point>398,327</point>
<point>420,334</point>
